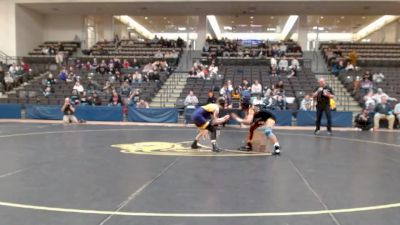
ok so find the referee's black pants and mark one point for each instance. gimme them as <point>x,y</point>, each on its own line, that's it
<point>327,111</point>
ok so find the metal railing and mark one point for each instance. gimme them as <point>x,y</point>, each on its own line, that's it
<point>169,86</point>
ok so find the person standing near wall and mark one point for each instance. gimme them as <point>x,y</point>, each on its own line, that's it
<point>323,94</point>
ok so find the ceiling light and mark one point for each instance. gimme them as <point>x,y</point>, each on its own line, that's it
<point>214,25</point>
<point>146,17</point>
<point>314,27</point>
<point>375,25</point>
<point>321,28</point>
<point>342,17</point>
<point>227,28</point>
<point>289,26</point>
<point>169,22</point>
<point>165,18</point>
<point>363,17</point>
<point>271,29</point>
<point>272,17</point>
<point>181,28</point>
<point>321,17</point>
<point>232,21</point>
<point>251,17</point>
<point>255,25</point>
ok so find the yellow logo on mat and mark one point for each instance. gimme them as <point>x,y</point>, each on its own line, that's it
<point>175,149</point>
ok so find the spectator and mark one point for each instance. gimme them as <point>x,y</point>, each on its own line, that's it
<point>126,65</point>
<point>379,94</point>
<point>59,57</point>
<point>69,112</point>
<point>191,100</point>
<point>115,99</point>
<point>135,64</point>
<point>142,104</point>
<point>84,99</point>
<point>283,64</point>
<point>292,73</point>
<point>94,100</point>
<point>258,101</point>
<point>365,85</point>
<point>25,67</point>
<point>294,64</point>
<point>102,68</point>
<point>396,111</point>
<point>159,54</point>
<point>353,58</point>
<point>383,111</point>
<point>92,86</point>
<point>236,94</point>
<point>47,90</point>
<point>363,120</point>
<point>75,97</point>
<point>9,81</point>
<point>78,87</point>
<point>134,97</point>
<point>63,75</point>
<point>280,102</point>
<point>369,101</point>
<point>378,77</point>
<point>211,98</point>
<point>307,103</point>
<point>108,88</point>
<point>137,77</point>
<point>51,80</point>
<point>280,88</point>
<point>256,88</point>
<point>213,71</point>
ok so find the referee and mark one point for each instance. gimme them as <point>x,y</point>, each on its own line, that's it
<point>323,94</point>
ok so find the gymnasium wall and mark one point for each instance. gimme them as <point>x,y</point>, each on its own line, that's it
<point>388,34</point>
<point>63,27</point>
<point>7,27</point>
<point>29,29</point>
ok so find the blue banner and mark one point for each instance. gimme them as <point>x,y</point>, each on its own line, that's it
<point>339,119</point>
<point>44,112</point>
<point>283,117</point>
<point>10,111</point>
<point>99,113</point>
<point>153,115</point>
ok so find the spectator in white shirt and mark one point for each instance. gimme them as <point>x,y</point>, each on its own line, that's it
<point>378,77</point>
<point>256,88</point>
<point>396,111</point>
<point>295,64</point>
<point>213,70</point>
<point>379,94</point>
<point>78,87</point>
<point>274,63</point>
<point>283,64</point>
<point>159,54</point>
<point>307,103</point>
<point>191,99</point>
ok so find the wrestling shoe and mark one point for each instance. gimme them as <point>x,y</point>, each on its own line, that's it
<point>194,145</point>
<point>215,148</point>
<point>277,150</point>
<point>246,148</point>
<point>330,133</point>
<point>316,132</point>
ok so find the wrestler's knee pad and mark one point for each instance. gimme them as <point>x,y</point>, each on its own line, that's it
<point>268,131</point>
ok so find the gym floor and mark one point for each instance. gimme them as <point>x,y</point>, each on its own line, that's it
<point>51,174</point>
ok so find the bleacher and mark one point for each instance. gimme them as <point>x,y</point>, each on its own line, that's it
<point>32,93</point>
<point>295,87</point>
<point>368,54</point>
<point>390,84</point>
